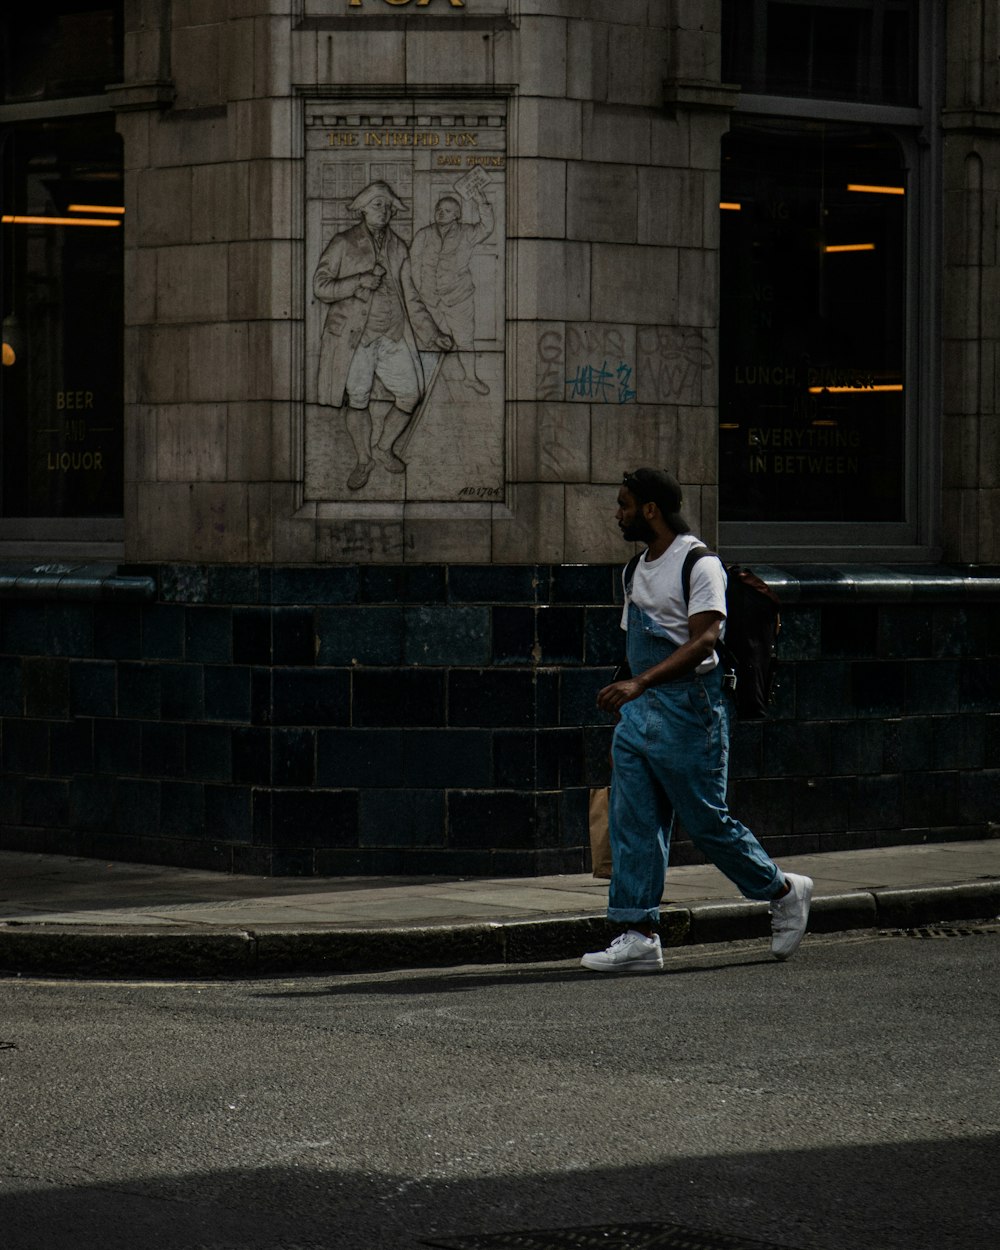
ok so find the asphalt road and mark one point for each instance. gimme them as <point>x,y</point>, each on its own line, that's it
<point>846,1100</point>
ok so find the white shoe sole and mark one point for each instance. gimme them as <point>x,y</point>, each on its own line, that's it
<point>635,966</point>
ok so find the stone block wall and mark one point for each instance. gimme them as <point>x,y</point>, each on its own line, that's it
<point>318,687</point>
<point>611,260</point>
<point>210,247</point>
<point>614,113</point>
<point>971,207</point>
<point>441,719</point>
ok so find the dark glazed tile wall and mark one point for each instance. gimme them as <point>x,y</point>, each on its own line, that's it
<point>436,719</point>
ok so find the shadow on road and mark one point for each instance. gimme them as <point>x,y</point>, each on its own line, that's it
<point>924,1195</point>
<point>408,983</point>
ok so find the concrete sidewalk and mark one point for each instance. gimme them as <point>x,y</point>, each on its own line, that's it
<point>81,917</point>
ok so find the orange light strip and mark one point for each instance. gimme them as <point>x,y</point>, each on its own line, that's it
<point>118,209</point>
<point>874,190</point>
<point>849,247</point>
<point>58,221</point>
<point>732,205</point>
<point>855,390</point>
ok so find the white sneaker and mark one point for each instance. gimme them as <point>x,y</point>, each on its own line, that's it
<point>790,915</point>
<point>630,952</point>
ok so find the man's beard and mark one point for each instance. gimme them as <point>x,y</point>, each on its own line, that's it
<point>638,531</point>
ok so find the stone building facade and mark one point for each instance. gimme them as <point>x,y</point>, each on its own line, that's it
<point>344,582</point>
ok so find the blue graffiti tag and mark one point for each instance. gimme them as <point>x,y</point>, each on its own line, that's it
<point>598,382</point>
<point>625,392</point>
<point>591,383</point>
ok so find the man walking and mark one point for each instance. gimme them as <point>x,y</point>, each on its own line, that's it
<point>671,745</point>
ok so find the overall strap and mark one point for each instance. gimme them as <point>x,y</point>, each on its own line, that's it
<point>624,669</point>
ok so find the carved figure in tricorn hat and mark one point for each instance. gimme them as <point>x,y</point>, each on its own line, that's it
<point>374,319</point>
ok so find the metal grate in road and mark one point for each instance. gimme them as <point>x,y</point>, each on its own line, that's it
<point>608,1237</point>
<point>947,931</point>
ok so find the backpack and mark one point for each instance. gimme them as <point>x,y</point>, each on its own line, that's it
<point>748,651</point>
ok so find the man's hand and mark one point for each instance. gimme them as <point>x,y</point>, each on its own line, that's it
<point>613,698</point>
<point>444,342</point>
<point>371,281</point>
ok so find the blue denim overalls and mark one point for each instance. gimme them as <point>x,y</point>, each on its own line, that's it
<point>671,757</point>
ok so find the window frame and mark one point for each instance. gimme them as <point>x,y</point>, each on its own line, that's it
<point>43,537</point>
<point>916,539</point>
<point>759,26</point>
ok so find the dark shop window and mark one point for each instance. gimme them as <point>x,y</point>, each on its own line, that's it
<point>61,401</point>
<point>812,333</point>
<point>56,50</point>
<point>858,50</point>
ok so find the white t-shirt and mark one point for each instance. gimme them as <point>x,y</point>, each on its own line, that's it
<point>657,591</point>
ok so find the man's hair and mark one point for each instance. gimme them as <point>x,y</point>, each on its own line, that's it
<point>450,199</point>
<point>662,488</point>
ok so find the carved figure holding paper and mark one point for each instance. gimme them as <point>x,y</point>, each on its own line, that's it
<point>440,257</point>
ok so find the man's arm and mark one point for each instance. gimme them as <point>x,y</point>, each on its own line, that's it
<point>482,231</point>
<point>328,284</point>
<point>703,634</point>
<point>429,335</point>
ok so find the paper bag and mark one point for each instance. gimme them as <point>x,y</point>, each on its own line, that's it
<point>600,843</point>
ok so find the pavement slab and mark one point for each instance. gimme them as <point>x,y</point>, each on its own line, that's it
<point>61,913</point>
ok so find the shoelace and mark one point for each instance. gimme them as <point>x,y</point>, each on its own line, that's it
<point>620,940</point>
<point>783,916</point>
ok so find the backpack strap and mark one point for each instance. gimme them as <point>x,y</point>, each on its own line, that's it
<point>690,560</point>
<point>722,649</point>
<point>630,572</point>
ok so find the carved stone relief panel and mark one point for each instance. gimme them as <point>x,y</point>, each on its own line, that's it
<point>405,312</point>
